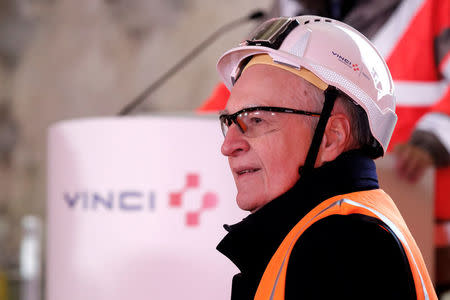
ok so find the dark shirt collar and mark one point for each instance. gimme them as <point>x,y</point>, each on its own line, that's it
<point>251,243</point>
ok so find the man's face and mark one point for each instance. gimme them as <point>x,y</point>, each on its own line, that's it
<point>266,166</point>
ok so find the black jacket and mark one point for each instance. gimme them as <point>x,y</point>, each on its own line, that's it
<point>339,257</point>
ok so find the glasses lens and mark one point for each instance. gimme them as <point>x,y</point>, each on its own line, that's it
<point>242,126</point>
<point>269,30</point>
<point>258,122</point>
<point>223,125</point>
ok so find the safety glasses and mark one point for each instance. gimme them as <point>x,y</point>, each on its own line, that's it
<point>272,32</point>
<point>269,34</point>
<point>259,120</point>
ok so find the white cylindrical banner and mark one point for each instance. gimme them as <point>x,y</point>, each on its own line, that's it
<point>136,208</point>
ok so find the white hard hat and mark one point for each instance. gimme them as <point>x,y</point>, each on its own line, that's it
<point>335,52</point>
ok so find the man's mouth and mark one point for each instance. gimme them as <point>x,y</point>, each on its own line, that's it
<point>247,171</point>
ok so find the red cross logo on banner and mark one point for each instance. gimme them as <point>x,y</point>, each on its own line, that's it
<point>209,200</point>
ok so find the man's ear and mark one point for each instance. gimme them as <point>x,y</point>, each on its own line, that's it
<point>336,139</point>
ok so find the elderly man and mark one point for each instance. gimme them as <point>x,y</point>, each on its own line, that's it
<point>311,105</point>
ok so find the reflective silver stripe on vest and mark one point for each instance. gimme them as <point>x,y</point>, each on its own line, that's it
<point>382,217</point>
<point>415,93</point>
<point>397,233</point>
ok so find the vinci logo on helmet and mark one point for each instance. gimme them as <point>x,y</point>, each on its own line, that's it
<point>342,59</point>
<point>209,200</point>
<point>349,64</point>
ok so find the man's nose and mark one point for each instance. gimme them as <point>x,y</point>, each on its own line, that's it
<point>235,142</point>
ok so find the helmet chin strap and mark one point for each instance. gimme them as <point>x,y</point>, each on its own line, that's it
<point>331,93</point>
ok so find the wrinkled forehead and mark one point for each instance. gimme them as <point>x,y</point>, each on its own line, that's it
<point>267,85</point>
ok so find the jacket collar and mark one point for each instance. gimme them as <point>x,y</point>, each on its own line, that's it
<point>251,243</point>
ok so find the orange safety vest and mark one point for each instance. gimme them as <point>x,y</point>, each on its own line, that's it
<point>374,203</point>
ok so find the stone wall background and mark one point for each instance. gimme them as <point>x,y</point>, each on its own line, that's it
<point>65,59</point>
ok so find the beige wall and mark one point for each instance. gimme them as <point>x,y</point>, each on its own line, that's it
<point>63,59</point>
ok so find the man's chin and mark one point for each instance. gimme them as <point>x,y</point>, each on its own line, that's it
<point>249,203</point>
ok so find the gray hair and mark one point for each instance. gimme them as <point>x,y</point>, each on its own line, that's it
<point>361,134</point>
